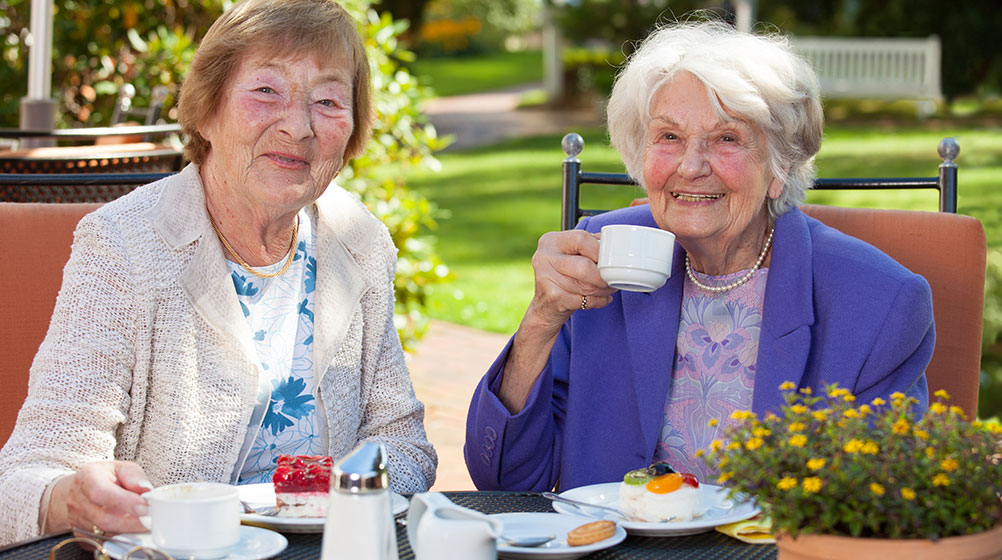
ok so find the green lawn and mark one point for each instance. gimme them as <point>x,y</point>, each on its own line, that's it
<point>502,198</point>
<point>473,74</point>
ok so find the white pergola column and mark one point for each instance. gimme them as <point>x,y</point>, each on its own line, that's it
<point>38,108</point>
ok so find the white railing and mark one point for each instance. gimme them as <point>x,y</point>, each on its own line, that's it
<point>885,68</point>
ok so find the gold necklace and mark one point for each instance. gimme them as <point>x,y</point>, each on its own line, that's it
<point>247,267</point>
<point>739,281</point>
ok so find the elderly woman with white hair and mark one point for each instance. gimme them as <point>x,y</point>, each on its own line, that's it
<point>721,128</point>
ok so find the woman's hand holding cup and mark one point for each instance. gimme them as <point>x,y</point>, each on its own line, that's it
<point>567,279</point>
<point>101,497</point>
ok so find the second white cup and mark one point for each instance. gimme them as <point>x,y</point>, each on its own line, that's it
<point>194,520</point>
<point>635,258</point>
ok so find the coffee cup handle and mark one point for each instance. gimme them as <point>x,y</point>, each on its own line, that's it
<point>146,520</point>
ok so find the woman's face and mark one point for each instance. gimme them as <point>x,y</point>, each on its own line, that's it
<point>279,136</point>
<point>707,178</point>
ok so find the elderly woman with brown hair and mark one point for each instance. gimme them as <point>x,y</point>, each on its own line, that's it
<point>721,129</point>
<point>236,311</point>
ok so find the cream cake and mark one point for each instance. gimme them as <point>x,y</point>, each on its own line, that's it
<point>658,493</point>
<point>302,483</point>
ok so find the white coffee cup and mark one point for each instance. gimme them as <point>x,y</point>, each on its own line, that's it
<point>194,520</point>
<point>635,258</point>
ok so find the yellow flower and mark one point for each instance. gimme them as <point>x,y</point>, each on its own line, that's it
<point>938,408</point>
<point>812,484</point>
<point>713,422</point>
<point>921,434</point>
<point>865,409</point>
<point>722,463</point>
<point>806,390</point>
<point>897,396</point>
<point>798,440</point>
<point>786,483</point>
<point>787,386</point>
<point>876,489</point>
<point>878,402</point>
<point>798,408</point>
<point>942,394</point>
<point>796,427</point>
<point>820,415</point>
<point>851,413</point>
<point>870,448</point>
<point>761,432</point>
<point>724,477</point>
<point>949,464</point>
<point>700,452</point>
<point>908,493</point>
<point>940,480</point>
<point>901,427</point>
<point>815,464</point>
<point>716,444</point>
<point>733,445</point>
<point>742,415</point>
<point>853,446</point>
<point>753,444</point>
<point>849,397</point>
<point>929,452</point>
<point>958,411</point>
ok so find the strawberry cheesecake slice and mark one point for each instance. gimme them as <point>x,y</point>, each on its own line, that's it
<point>301,484</point>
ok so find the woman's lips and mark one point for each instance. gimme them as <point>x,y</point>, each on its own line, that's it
<point>694,197</point>
<point>288,161</point>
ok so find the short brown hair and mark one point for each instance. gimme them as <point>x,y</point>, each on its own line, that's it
<point>280,28</point>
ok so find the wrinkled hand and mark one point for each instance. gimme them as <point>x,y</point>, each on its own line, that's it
<point>103,495</point>
<point>566,268</point>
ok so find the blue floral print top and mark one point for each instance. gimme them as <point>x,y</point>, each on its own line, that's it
<point>280,313</point>
<point>714,369</point>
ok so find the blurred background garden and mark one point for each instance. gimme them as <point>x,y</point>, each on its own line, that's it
<point>466,218</point>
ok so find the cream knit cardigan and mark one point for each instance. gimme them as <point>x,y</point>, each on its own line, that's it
<point>148,357</point>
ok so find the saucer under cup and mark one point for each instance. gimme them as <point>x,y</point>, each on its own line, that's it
<point>635,258</point>
<point>194,520</point>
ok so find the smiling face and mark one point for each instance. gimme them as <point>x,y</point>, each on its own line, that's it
<point>707,177</point>
<point>279,136</point>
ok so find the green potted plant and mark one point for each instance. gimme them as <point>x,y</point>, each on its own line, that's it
<point>843,479</point>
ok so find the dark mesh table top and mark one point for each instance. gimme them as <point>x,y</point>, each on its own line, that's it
<point>705,546</point>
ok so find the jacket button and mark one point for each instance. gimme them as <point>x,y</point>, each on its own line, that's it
<point>491,432</point>
<point>485,459</point>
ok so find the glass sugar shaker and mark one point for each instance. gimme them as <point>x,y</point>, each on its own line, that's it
<point>359,523</point>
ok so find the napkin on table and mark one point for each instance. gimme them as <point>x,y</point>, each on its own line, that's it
<point>757,530</point>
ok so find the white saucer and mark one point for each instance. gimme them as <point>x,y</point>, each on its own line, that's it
<point>255,543</point>
<point>263,495</point>
<point>556,524</point>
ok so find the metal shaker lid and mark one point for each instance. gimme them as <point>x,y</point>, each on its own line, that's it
<point>363,470</point>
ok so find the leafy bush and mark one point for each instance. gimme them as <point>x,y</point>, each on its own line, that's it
<point>831,466</point>
<point>990,393</point>
<point>101,45</point>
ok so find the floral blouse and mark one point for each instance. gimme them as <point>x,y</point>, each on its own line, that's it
<point>280,313</point>
<point>714,369</point>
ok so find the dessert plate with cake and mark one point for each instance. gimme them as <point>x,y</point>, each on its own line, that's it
<point>298,491</point>
<point>574,535</point>
<point>648,496</point>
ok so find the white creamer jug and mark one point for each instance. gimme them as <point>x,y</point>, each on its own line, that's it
<point>439,529</point>
<point>359,523</point>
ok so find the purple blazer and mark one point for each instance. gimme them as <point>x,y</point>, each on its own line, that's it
<point>836,310</point>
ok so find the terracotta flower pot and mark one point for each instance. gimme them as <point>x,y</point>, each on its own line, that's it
<point>982,546</point>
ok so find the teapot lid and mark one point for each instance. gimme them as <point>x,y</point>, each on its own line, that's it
<point>363,470</point>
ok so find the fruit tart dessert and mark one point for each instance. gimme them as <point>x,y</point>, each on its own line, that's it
<point>301,484</point>
<point>658,493</point>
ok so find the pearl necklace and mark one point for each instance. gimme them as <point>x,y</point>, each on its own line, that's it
<point>739,281</point>
<point>247,267</point>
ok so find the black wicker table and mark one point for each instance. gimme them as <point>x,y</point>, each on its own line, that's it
<point>705,546</point>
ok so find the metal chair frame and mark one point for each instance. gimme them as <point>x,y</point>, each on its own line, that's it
<point>574,177</point>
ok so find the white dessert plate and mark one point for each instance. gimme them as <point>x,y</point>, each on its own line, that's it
<point>255,543</point>
<point>720,510</point>
<point>263,495</point>
<point>534,524</point>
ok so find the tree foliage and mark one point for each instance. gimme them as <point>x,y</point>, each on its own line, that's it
<point>100,45</point>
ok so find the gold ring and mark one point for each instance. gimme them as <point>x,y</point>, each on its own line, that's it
<point>97,531</point>
<point>584,303</point>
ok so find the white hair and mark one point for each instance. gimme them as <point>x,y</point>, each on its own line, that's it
<point>757,77</point>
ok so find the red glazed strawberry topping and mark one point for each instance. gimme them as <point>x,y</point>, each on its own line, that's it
<point>690,479</point>
<point>302,473</point>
